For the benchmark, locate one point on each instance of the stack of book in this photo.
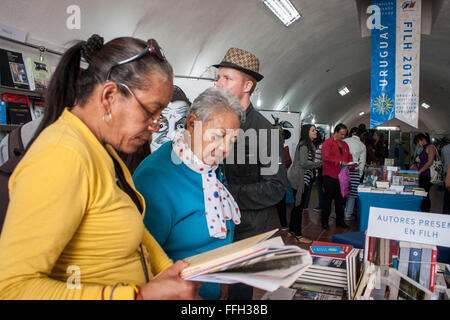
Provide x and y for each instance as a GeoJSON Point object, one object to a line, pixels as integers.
{"type": "Point", "coordinates": [410, 178]}
{"type": "Point", "coordinates": [333, 265]}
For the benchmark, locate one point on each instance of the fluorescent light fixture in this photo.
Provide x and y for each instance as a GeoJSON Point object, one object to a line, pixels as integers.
{"type": "Point", "coordinates": [343, 91]}
{"type": "Point", "coordinates": [284, 10]}
{"type": "Point", "coordinates": [361, 113]}
{"type": "Point", "coordinates": [425, 105]}
{"type": "Point", "coordinates": [313, 121]}
{"type": "Point", "coordinates": [388, 128]}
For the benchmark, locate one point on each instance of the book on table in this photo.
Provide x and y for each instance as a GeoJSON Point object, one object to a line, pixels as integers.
{"type": "Point", "coordinates": [257, 261]}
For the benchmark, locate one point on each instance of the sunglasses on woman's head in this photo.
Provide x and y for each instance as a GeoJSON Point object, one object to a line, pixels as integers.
{"type": "Point", "coordinates": [152, 48]}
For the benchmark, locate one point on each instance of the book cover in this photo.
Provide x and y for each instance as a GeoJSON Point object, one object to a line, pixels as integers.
{"type": "Point", "coordinates": [415, 256]}
{"type": "Point", "coordinates": [40, 74]}
{"type": "Point", "coordinates": [17, 113]}
{"type": "Point", "coordinates": [337, 265]}
{"type": "Point", "coordinates": [425, 267]}
{"type": "Point", "coordinates": [373, 174]}
{"type": "Point", "coordinates": [312, 295]}
{"type": "Point", "coordinates": [403, 260]}
{"type": "Point", "coordinates": [12, 70]}
{"type": "Point", "coordinates": [318, 288]}
{"type": "Point", "coordinates": [329, 249]}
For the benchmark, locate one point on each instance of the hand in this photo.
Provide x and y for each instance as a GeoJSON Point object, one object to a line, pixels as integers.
{"type": "Point", "coordinates": [168, 285]}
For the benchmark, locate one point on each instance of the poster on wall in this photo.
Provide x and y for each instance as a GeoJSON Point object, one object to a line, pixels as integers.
{"type": "Point", "coordinates": [395, 62]}
{"type": "Point", "coordinates": [289, 121]}
{"type": "Point", "coordinates": [184, 93]}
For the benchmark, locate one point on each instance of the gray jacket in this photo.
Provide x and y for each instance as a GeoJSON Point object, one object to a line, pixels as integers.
{"type": "Point", "coordinates": [297, 170]}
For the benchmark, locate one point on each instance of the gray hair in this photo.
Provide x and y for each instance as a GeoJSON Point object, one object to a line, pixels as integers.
{"type": "Point", "coordinates": [214, 100]}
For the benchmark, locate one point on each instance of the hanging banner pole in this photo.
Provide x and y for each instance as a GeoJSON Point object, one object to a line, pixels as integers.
{"type": "Point", "coordinates": [395, 59]}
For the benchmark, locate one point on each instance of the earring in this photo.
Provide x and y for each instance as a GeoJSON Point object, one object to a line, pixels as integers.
{"type": "Point", "coordinates": [107, 117]}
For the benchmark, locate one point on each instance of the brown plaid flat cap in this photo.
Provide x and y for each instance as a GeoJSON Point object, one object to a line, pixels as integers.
{"type": "Point", "coordinates": [243, 61]}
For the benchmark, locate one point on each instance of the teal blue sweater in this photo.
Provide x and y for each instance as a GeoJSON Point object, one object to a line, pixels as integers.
{"type": "Point", "coordinates": [175, 209]}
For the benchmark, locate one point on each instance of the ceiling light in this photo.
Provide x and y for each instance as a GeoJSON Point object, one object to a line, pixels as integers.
{"type": "Point", "coordinates": [284, 10]}
{"type": "Point", "coordinates": [388, 128]}
{"type": "Point", "coordinates": [343, 91]}
{"type": "Point", "coordinates": [425, 105]}
{"type": "Point", "coordinates": [313, 121]}
{"type": "Point", "coordinates": [361, 113]}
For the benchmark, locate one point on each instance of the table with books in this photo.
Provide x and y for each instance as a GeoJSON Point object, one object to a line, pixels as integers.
{"type": "Point", "coordinates": [390, 188]}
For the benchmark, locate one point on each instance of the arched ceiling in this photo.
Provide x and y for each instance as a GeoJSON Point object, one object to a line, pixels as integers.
{"type": "Point", "coordinates": [303, 65]}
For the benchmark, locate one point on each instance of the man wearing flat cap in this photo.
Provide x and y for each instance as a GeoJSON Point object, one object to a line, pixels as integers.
{"type": "Point", "coordinates": [255, 191]}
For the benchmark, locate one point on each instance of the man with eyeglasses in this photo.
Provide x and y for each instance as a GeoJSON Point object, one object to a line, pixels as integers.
{"type": "Point", "coordinates": [252, 186]}
{"type": "Point", "coordinates": [336, 155]}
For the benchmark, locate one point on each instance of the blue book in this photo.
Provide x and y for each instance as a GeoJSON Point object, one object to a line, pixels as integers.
{"type": "Point", "coordinates": [326, 249]}
{"type": "Point", "coordinates": [2, 112]}
{"type": "Point", "coordinates": [415, 258]}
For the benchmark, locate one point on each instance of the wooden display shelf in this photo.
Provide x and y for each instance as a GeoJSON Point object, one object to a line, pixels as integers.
{"type": "Point", "coordinates": [25, 92]}
{"type": "Point", "coordinates": [8, 127]}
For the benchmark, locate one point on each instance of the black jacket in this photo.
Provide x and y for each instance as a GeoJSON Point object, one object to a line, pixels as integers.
{"type": "Point", "coordinates": [254, 190]}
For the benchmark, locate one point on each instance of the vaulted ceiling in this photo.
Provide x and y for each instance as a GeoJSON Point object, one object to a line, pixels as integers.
{"type": "Point", "coordinates": [303, 64]}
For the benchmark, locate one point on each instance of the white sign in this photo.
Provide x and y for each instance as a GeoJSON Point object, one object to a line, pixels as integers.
{"type": "Point", "coordinates": [411, 226]}
{"type": "Point", "coordinates": [407, 71]}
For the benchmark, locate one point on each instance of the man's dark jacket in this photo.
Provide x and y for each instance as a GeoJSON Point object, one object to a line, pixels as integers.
{"type": "Point", "coordinates": [255, 193]}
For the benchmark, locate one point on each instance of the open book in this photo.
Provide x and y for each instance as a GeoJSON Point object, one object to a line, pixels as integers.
{"type": "Point", "coordinates": [257, 261]}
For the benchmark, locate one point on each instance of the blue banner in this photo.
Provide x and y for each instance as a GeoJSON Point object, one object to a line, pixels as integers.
{"type": "Point", "coordinates": [382, 95]}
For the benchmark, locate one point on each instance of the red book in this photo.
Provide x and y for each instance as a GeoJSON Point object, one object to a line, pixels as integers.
{"type": "Point", "coordinates": [433, 269]}
{"type": "Point", "coordinates": [370, 252]}
{"type": "Point", "coordinates": [329, 249]}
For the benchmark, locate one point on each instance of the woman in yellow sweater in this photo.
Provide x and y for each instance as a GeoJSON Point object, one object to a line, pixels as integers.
{"type": "Point", "coordinates": [74, 226]}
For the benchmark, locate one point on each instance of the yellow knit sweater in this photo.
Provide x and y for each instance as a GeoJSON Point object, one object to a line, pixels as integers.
{"type": "Point", "coordinates": [70, 231]}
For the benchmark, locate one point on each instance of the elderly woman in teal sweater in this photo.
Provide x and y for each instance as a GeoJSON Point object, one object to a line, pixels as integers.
{"type": "Point", "coordinates": [189, 211]}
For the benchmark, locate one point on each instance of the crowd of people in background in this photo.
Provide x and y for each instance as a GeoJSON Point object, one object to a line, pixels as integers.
{"type": "Point", "coordinates": [317, 162]}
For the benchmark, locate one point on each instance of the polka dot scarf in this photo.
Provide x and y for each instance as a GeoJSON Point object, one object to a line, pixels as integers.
{"type": "Point", "coordinates": [220, 205]}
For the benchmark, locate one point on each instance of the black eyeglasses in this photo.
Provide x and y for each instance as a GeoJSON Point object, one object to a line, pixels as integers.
{"type": "Point", "coordinates": [155, 122]}
{"type": "Point", "coordinates": [152, 48]}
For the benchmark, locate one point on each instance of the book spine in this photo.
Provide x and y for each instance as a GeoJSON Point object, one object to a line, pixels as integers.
{"type": "Point", "coordinates": [425, 267]}
{"type": "Point", "coordinates": [403, 260]}
{"type": "Point", "coordinates": [433, 269]}
{"type": "Point", "coordinates": [393, 255]}
{"type": "Point", "coordinates": [370, 249]}
{"type": "Point", "coordinates": [415, 256]}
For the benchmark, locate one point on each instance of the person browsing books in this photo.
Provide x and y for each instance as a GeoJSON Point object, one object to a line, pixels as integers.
{"type": "Point", "coordinates": [427, 157]}
{"type": "Point", "coordinates": [189, 210]}
{"type": "Point", "coordinates": [301, 175]}
{"type": "Point", "coordinates": [336, 155]}
{"type": "Point", "coordinates": [74, 227]}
